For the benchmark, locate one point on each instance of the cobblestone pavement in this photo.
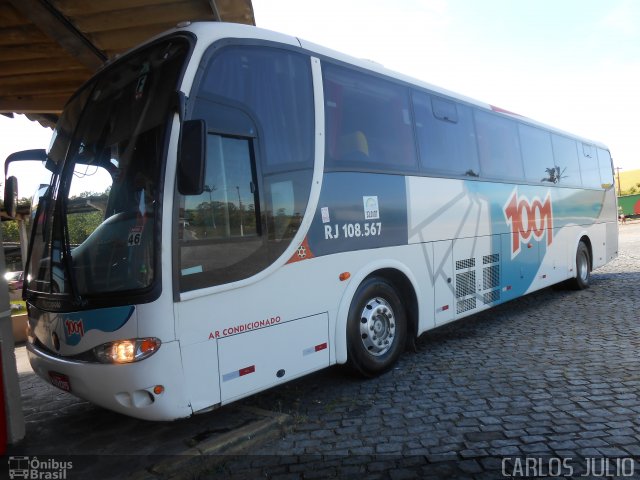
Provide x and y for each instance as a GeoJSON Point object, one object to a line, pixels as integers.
{"type": "Point", "coordinates": [533, 383]}
{"type": "Point", "coordinates": [547, 384]}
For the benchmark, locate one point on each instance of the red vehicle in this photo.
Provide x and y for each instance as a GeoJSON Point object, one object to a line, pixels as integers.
{"type": "Point", "coordinates": [14, 279]}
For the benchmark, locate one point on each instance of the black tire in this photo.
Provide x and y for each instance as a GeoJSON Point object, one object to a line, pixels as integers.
{"type": "Point", "coordinates": [376, 328]}
{"type": "Point", "coordinates": [583, 268]}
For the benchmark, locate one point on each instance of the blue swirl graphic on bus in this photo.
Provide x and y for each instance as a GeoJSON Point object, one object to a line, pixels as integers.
{"type": "Point", "coordinates": [77, 324]}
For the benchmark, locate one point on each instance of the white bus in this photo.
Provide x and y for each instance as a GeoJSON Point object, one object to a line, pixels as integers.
{"type": "Point", "coordinates": [269, 208]}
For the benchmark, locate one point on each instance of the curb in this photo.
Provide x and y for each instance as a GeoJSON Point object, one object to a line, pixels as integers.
{"type": "Point", "coordinates": [212, 451]}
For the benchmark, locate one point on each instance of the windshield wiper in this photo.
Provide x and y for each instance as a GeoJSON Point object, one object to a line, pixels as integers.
{"type": "Point", "coordinates": [67, 260]}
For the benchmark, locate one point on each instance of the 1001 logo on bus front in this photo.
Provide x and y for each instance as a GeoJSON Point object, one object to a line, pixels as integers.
{"type": "Point", "coordinates": [74, 327]}
{"type": "Point", "coordinates": [528, 219]}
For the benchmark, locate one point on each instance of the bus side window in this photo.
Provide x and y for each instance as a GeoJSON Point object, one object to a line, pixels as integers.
{"type": "Point", "coordinates": [353, 146]}
{"type": "Point", "coordinates": [589, 168]}
{"type": "Point", "coordinates": [537, 155]}
{"type": "Point", "coordinates": [565, 153]}
{"type": "Point", "coordinates": [606, 168]}
{"type": "Point", "coordinates": [368, 122]}
{"type": "Point", "coordinates": [446, 137]}
{"type": "Point", "coordinates": [498, 147]}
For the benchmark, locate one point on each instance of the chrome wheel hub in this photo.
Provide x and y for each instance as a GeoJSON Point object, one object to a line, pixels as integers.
{"type": "Point", "coordinates": [377, 326]}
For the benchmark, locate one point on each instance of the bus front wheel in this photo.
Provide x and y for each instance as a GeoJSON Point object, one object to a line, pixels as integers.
{"type": "Point", "coordinates": [583, 268]}
{"type": "Point", "coordinates": [376, 327]}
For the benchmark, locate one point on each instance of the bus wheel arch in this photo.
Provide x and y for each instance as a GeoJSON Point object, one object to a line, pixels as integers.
{"type": "Point", "coordinates": [585, 239]}
{"type": "Point", "coordinates": [385, 290]}
{"type": "Point", "coordinates": [407, 292]}
{"type": "Point", "coordinates": [583, 264]}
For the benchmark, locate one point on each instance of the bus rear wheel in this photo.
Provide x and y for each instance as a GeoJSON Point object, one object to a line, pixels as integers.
{"type": "Point", "coordinates": [583, 268]}
{"type": "Point", "coordinates": [376, 327]}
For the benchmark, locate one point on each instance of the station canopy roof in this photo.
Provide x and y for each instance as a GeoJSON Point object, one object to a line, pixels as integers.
{"type": "Point", "coordinates": [49, 48]}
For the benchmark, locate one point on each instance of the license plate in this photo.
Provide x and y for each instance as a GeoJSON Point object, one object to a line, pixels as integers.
{"type": "Point", "coordinates": [60, 380]}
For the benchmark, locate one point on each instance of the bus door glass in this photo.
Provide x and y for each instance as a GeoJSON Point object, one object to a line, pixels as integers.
{"type": "Point", "coordinates": [257, 102]}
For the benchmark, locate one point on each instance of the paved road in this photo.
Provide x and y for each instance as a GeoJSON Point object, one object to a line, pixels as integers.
{"type": "Point", "coordinates": [552, 379]}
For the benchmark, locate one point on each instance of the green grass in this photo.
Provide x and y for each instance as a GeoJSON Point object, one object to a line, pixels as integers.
{"type": "Point", "coordinates": [19, 308]}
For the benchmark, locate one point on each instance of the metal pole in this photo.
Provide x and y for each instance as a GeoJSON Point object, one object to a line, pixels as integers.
{"type": "Point", "coordinates": [240, 207]}
{"type": "Point", "coordinates": [13, 419]}
{"type": "Point", "coordinates": [210, 190]}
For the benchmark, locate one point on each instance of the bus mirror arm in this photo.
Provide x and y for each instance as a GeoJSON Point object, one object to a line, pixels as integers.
{"type": "Point", "coordinates": [11, 183]}
{"type": "Point", "coordinates": [38, 154]}
{"type": "Point", "coordinates": [192, 152]}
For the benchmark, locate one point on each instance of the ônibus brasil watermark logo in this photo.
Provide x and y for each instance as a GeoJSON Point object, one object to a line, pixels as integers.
{"type": "Point", "coordinates": [38, 469]}
{"type": "Point", "coordinates": [528, 218]}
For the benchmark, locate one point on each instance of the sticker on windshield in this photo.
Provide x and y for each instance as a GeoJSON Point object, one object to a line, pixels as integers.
{"type": "Point", "coordinates": [135, 237]}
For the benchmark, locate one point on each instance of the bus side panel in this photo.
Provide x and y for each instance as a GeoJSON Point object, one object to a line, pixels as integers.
{"type": "Point", "coordinates": [554, 259]}
{"type": "Point", "coordinates": [598, 237]}
{"type": "Point", "coordinates": [612, 240]}
{"type": "Point", "coordinates": [609, 212]}
{"type": "Point", "coordinates": [444, 209]}
{"type": "Point", "coordinates": [200, 365]}
{"type": "Point", "coordinates": [444, 306]}
{"type": "Point", "coordinates": [253, 361]}
{"type": "Point", "coordinates": [477, 273]}
{"type": "Point", "coordinates": [518, 270]}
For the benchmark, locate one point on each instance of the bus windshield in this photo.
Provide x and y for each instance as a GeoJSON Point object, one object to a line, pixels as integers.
{"type": "Point", "coordinates": [93, 231]}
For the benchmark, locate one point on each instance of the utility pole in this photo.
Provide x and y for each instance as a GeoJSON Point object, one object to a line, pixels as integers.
{"type": "Point", "coordinates": [617, 169]}
{"type": "Point", "coordinates": [240, 208]}
{"type": "Point", "coordinates": [210, 190]}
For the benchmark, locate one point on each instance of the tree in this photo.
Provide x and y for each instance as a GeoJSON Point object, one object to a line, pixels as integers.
{"type": "Point", "coordinates": [81, 225]}
{"type": "Point", "coordinates": [10, 231]}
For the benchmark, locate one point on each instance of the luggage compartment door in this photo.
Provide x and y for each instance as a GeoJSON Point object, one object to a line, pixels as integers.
{"type": "Point", "coordinates": [258, 359]}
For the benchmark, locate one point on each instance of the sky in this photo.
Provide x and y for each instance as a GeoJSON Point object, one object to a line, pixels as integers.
{"type": "Point", "coordinates": [17, 134]}
{"type": "Point", "coordinates": [573, 64]}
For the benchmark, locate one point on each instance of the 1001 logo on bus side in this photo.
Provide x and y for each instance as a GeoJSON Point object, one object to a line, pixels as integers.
{"type": "Point", "coordinates": [528, 219]}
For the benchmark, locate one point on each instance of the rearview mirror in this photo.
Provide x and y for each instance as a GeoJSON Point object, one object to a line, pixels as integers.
{"type": "Point", "coordinates": [192, 153]}
{"type": "Point", "coordinates": [11, 196]}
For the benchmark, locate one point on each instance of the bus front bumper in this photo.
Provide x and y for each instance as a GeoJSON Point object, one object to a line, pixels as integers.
{"type": "Point", "coordinates": [151, 389]}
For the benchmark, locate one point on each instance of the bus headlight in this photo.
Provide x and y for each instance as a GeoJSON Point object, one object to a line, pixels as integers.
{"type": "Point", "coordinates": [127, 351]}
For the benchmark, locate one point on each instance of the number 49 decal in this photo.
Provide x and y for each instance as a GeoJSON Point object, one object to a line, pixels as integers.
{"type": "Point", "coordinates": [135, 237]}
